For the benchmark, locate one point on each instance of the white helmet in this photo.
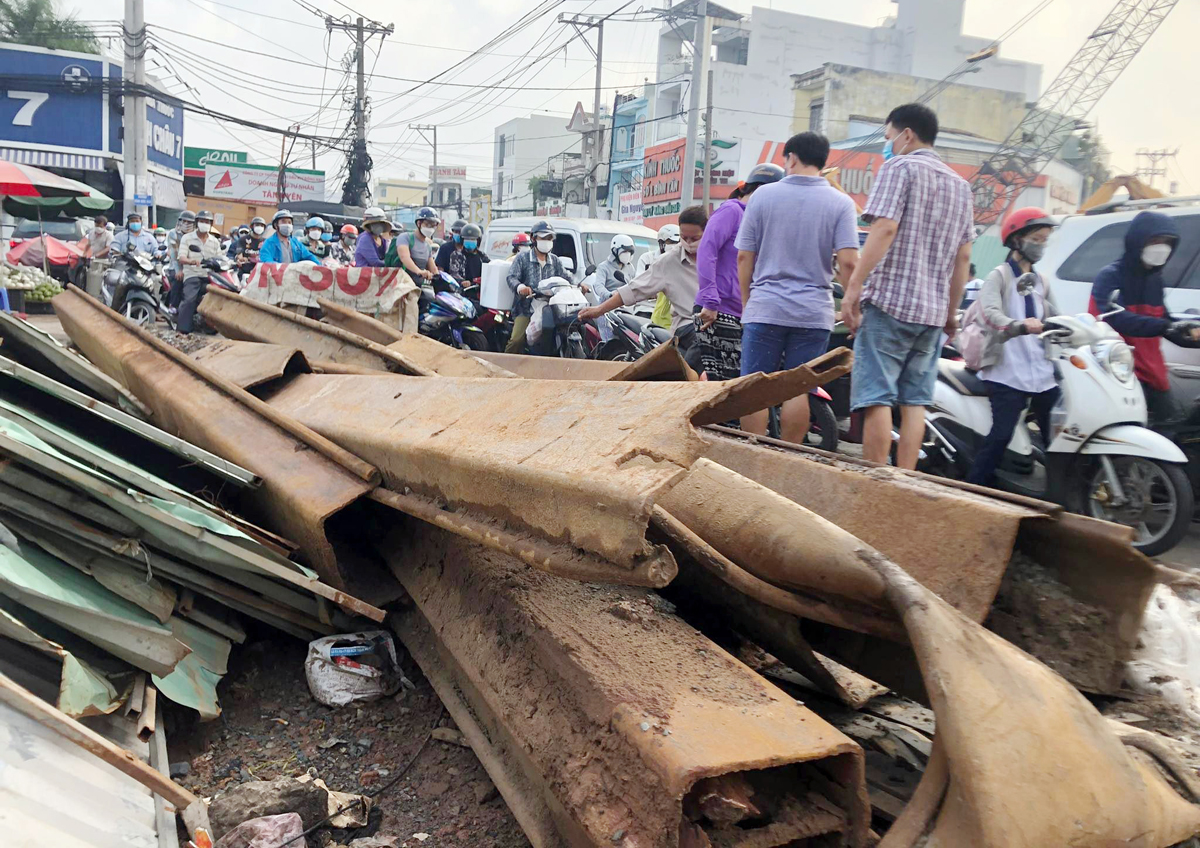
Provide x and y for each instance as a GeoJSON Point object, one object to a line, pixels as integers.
{"type": "Point", "coordinates": [622, 243]}
{"type": "Point", "coordinates": [669, 233]}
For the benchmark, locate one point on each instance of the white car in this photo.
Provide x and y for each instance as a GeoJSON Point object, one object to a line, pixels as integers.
{"type": "Point", "coordinates": [1084, 244]}
{"type": "Point", "coordinates": [581, 243]}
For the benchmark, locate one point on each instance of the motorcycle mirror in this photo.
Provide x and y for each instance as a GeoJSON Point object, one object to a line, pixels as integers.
{"type": "Point", "coordinates": [589, 270]}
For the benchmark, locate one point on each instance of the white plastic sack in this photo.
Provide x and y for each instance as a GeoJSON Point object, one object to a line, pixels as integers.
{"type": "Point", "coordinates": [1167, 661]}
{"type": "Point", "coordinates": [533, 334]}
{"type": "Point", "coordinates": [353, 667]}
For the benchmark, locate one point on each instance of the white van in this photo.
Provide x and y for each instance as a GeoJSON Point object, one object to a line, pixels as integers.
{"type": "Point", "coordinates": [582, 243]}
{"type": "Point", "coordinates": [1084, 244]}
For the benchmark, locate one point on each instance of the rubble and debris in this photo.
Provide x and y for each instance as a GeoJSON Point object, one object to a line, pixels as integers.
{"type": "Point", "coordinates": [259, 798]}
{"type": "Point", "coordinates": [353, 668]}
{"type": "Point", "coordinates": [264, 832]}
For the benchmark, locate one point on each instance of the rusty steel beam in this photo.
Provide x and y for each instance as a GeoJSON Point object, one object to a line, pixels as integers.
{"type": "Point", "coordinates": [248, 364]}
{"type": "Point", "coordinates": [603, 718]}
{"type": "Point", "coordinates": [307, 480]}
{"type": "Point", "coordinates": [580, 468]}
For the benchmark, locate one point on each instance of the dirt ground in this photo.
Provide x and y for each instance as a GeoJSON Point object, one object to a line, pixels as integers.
{"type": "Point", "coordinates": [271, 726]}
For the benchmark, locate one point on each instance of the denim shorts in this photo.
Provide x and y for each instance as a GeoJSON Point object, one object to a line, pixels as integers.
{"type": "Point", "coordinates": [895, 362]}
{"type": "Point", "coordinates": [773, 347]}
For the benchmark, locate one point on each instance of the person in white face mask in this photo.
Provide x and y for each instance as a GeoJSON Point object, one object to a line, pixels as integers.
{"type": "Point", "coordinates": [527, 270]}
{"type": "Point", "coordinates": [1135, 282]}
{"type": "Point", "coordinates": [195, 248]}
{"type": "Point", "coordinates": [417, 254]}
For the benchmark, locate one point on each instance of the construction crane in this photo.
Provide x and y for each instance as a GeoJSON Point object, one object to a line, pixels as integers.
{"type": "Point", "coordinates": [1066, 103]}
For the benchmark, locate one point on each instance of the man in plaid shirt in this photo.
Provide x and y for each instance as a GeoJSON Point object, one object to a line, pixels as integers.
{"type": "Point", "coordinates": [908, 283]}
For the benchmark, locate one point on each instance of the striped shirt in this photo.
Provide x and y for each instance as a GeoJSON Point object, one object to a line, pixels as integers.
{"type": "Point", "coordinates": [932, 206]}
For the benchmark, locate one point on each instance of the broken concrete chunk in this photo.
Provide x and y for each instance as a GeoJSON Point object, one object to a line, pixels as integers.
{"type": "Point", "coordinates": [377, 842]}
{"type": "Point", "coordinates": [485, 791]}
{"type": "Point", "coordinates": [268, 798]}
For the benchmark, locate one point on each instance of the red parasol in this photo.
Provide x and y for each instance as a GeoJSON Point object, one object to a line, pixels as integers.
{"type": "Point", "coordinates": [43, 250]}
{"type": "Point", "coordinates": [17, 180]}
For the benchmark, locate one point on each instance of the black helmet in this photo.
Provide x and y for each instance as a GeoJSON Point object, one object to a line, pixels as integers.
{"type": "Point", "coordinates": [203, 215]}
{"type": "Point", "coordinates": [257, 220]}
{"type": "Point", "coordinates": [540, 227]}
{"type": "Point", "coordinates": [426, 213]}
{"type": "Point", "coordinates": [133, 215]}
{"type": "Point", "coordinates": [457, 226]}
{"type": "Point", "coordinates": [767, 172]}
{"type": "Point", "coordinates": [471, 231]}
{"type": "Point", "coordinates": [187, 215]}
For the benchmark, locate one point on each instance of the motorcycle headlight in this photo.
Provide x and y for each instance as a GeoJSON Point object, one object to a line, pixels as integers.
{"type": "Point", "coordinates": [1117, 357]}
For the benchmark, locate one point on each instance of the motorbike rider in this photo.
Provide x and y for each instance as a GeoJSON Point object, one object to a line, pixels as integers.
{"type": "Point", "coordinates": [282, 245]}
{"type": "Point", "coordinates": [244, 249]}
{"type": "Point", "coordinates": [520, 244]}
{"type": "Point", "coordinates": [473, 258]}
{"type": "Point", "coordinates": [416, 254]}
{"type": "Point", "coordinates": [195, 248]}
{"type": "Point", "coordinates": [327, 235]}
{"type": "Point", "coordinates": [372, 246]}
{"type": "Point", "coordinates": [1135, 282]}
{"type": "Point", "coordinates": [719, 299]}
{"type": "Point", "coordinates": [314, 228]}
{"type": "Point", "coordinates": [1014, 300]}
{"type": "Point", "coordinates": [160, 244]}
{"type": "Point", "coordinates": [529, 269]}
{"type": "Point", "coordinates": [614, 271]}
{"type": "Point", "coordinates": [451, 245]}
{"type": "Point", "coordinates": [184, 224]}
{"type": "Point", "coordinates": [343, 248]}
{"type": "Point", "coordinates": [133, 235]}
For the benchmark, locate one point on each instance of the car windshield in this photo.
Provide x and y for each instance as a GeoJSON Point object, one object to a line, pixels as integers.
{"type": "Point", "coordinates": [63, 230]}
{"type": "Point", "coordinates": [598, 247]}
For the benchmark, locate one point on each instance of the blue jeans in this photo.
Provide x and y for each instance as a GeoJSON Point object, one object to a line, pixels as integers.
{"type": "Point", "coordinates": [895, 362]}
{"type": "Point", "coordinates": [772, 347]}
{"type": "Point", "coordinates": [1008, 404]}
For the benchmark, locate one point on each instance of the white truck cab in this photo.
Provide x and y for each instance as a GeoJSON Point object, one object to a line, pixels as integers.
{"type": "Point", "coordinates": [582, 243]}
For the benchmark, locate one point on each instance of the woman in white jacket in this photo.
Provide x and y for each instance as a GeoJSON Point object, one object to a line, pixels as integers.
{"type": "Point", "coordinates": [1015, 300]}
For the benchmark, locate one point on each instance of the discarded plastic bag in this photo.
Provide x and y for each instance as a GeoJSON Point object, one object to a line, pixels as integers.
{"type": "Point", "coordinates": [1167, 661]}
{"type": "Point", "coordinates": [265, 832]}
{"type": "Point", "coordinates": [353, 667]}
{"type": "Point", "coordinates": [533, 333]}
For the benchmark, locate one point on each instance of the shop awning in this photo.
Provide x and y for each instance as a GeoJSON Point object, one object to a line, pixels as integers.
{"type": "Point", "coordinates": [50, 159]}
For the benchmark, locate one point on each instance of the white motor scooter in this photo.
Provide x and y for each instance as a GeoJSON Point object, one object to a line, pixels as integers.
{"type": "Point", "coordinates": [564, 299]}
{"type": "Point", "coordinates": [1101, 461]}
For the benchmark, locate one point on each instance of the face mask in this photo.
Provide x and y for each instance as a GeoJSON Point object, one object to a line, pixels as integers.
{"type": "Point", "coordinates": [524, 248]}
{"type": "Point", "coordinates": [690, 247]}
{"type": "Point", "coordinates": [470, 245]}
{"type": "Point", "coordinates": [458, 239]}
{"type": "Point", "coordinates": [204, 228]}
{"type": "Point", "coordinates": [99, 230]}
{"type": "Point", "coordinates": [889, 149]}
{"type": "Point", "coordinates": [135, 227]}
{"type": "Point", "coordinates": [1156, 255]}
{"type": "Point", "coordinates": [428, 231]}
{"type": "Point", "coordinates": [376, 229]}
{"type": "Point", "coordinates": [1033, 250]}
{"type": "Point", "coordinates": [314, 234]}
{"type": "Point", "coordinates": [625, 256]}
{"type": "Point", "coordinates": [545, 245]}
{"type": "Point", "coordinates": [258, 230]}
{"type": "Point", "coordinates": [347, 240]}
{"type": "Point", "coordinates": [161, 239]}
{"type": "Point", "coordinates": [285, 230]}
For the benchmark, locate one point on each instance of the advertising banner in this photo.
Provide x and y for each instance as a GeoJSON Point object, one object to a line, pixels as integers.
{"type": "Point", "coordinates": [164, 134]}
{"type": "Point", "coordinates": [260, 183]}
{"type": "Point", "coordinates": [630, 207]}
{"type": "Point", "coordinates": [385, 293]}
{"type": "Point", "coordinates": [196, 158]}
{"type": "Point", "coordinates": [452, 172]}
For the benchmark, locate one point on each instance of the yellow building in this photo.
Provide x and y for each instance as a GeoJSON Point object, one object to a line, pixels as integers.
{"type": "Point", "coordinates": [842, 101]}
{"type": "Point", "coordinates": [410, 192]}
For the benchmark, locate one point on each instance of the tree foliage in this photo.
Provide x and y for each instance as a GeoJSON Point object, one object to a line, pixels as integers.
{"type": "Point", "coordinates": [41, 24]}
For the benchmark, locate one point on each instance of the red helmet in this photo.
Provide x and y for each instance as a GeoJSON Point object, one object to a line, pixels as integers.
{"type": "Point", "coordinates": [520, 239]}
{"type": "Point", "coordinates": [1020, 220]}
{"type": "Point", "coordinates": [349, 230]}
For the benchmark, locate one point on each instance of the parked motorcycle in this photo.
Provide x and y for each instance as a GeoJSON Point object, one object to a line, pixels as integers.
{"type": "Point", "coordinates": [495, 325]}
{"type": "Point", "coordinates": [129, 287]}
{"type": "Point", "coordinates": [448, 316]}
{"type": "Point", "coordinates": [1101, 461]}
{"type": "Point", "coordinates": [626, 345]}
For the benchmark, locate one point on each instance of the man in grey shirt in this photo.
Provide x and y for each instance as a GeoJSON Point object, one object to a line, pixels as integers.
{"type": "Point", "coordinates": [788, 237]}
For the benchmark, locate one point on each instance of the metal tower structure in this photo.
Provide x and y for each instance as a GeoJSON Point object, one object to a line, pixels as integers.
{"type": "Point", "coordinates": [1065, 104]}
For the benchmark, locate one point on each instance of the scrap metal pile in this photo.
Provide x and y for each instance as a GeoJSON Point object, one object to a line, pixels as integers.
{"type": "Point", "coordinates": [615, 598]}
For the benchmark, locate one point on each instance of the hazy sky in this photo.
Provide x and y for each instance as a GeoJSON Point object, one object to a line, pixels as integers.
{"type": "Point", "coordinates": [1152, 105]}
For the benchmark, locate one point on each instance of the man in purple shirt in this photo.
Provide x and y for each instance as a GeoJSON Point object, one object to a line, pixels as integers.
{"type": "Point", "coordinates": [786, 244]}
{"type": "Point", "coordinates": [719, 300]}
{"type": "Point", "coordinates": [909, 284]}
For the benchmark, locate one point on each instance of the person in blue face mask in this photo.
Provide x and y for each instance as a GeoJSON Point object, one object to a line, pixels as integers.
{"type": "Point", "coordinates": [450, 247]}
{"type": "Point", "coordinates": [134, 234]}
{"type": "Point", "coordinates": [466, 260]}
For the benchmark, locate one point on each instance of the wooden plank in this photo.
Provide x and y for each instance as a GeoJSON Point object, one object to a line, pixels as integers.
{"type": "Point", "coordinates": [163, 818]}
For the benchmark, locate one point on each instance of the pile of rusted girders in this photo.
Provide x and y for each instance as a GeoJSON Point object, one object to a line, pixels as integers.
{"type": "Point", "coordinates": [546, 530]}
{"type": "Point", "coordinates": [121, 576]}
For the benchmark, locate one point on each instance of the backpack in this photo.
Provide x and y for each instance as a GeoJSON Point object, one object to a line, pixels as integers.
{"type": "Point", "coordinates": [971, 338]}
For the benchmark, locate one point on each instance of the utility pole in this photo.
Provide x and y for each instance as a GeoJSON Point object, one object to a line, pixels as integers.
{"type": "Point", "coordinates": [701, 41]}
{"type": "Point", "coordinates": [285, 153]}
{"type": "Point", "coordinates": [708, 145]}
{"type": "Point", "coordinates": [1152, 171]}
{"type": "Point", "coordinates": [357, 186]}
{"type": "Point", "coordinates": [593, 171]}
{"type": "Point", "coordinates": [433, 173]}
{"type": "Point", "coordinates": [137, 178]}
